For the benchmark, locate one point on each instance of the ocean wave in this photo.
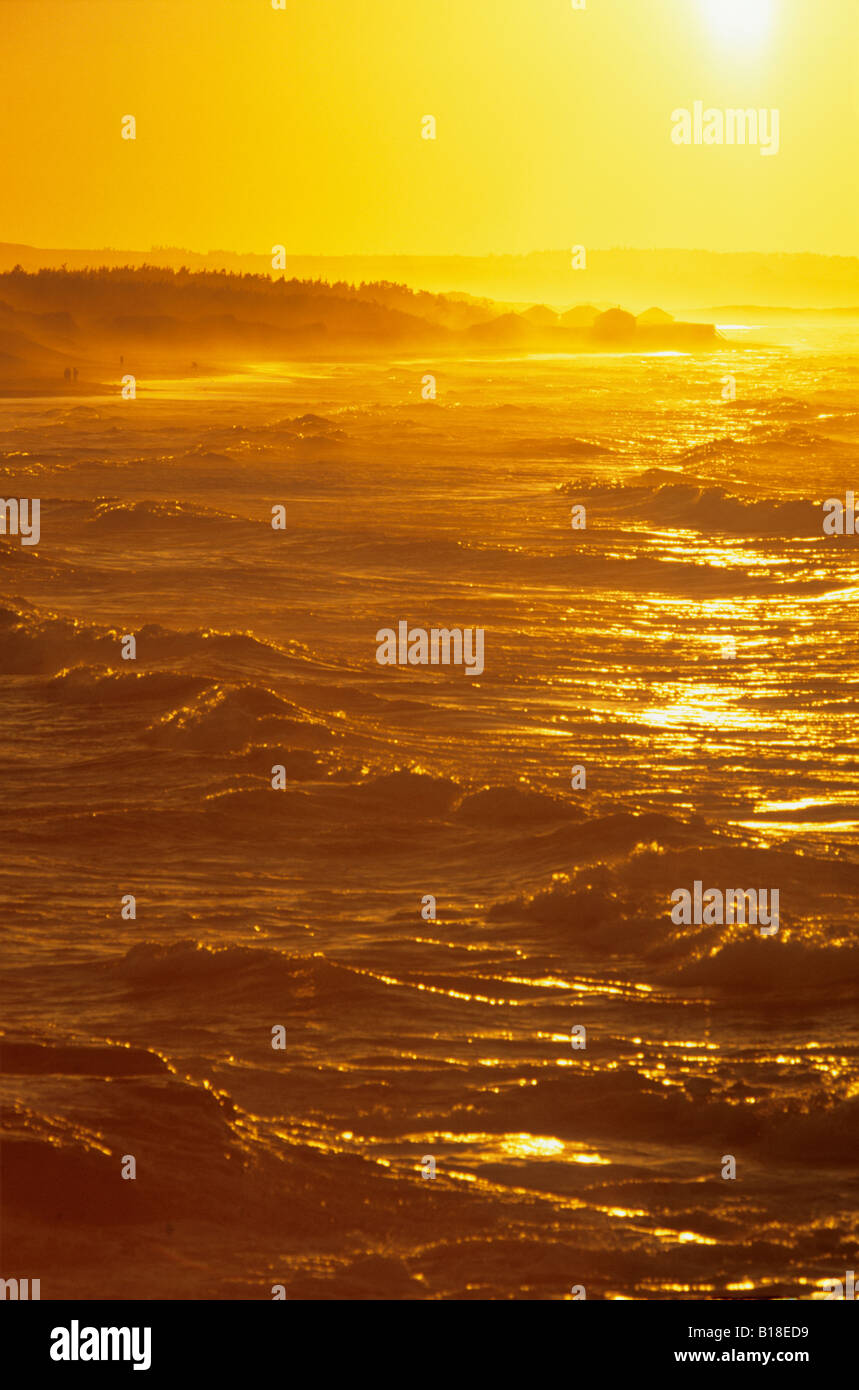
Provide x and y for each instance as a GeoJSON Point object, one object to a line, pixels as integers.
{"type": "Point", "coordinates": [98, 685]}
{"type": "Point", "coordinates": [778, 407]}
{"type": "Point", "coordinates": [271, 979]}
{"type": "Point", "coordinates": [514, 806]}
{"type": "Point", "coordinates": [22, 1058]}
{"type": "Point", "coordinates": [147, 518]}
{"type": "Point", "coordinates": [793, 437]}
{"type": "Point", "coordinates": [220, 717]}
{"type": "Point", "coordinates": [759, 967]}
{"type": "Point", "coordinates": [626, 1105]}
{"type": "Point", "coordinates": [767, 436]}
{"type": "Point", "coordinates": [680, 501]}
{"type": "Point", "coordinates": [556, 447]}
{"type": "Point", "coordinates": [614, 899]}
{"type": "Point", "coordinates": [404, 793]}
{"type": "Point", "coordinates": [34, 642]}
{"type": "Point", "coordinates": [305, 424]}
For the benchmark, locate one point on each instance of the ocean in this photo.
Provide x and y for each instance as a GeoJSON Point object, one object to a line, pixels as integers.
{"type": "Point", "coordinates": [691, 649]}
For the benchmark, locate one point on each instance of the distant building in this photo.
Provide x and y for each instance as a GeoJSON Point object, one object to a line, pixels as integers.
{"type": "Point", "coordinates": [582, 316]}
{"type": "Point", "coordinates": [614, 326]}
{"type": "Point", "coordinates": [542, 316]}
{"type": "Point", "coordinates": [654, 316]}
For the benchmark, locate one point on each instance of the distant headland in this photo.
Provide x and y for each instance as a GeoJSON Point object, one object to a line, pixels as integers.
{"type": "Point", "coordinates": [68, 330]}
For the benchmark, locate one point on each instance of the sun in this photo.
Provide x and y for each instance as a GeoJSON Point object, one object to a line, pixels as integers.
{"type": "Point", "coordinates": [741, 21]}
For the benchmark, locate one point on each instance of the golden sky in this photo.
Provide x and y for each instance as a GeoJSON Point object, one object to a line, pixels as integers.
{"type": "Point", "coordinates": [258, 126]}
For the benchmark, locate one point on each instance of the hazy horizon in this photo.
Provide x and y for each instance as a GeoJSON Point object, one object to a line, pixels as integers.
{"type": "Point", "coordinates": [676, 278]}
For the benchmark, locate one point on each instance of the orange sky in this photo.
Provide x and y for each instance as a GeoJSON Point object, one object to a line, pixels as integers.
{"type": "Point", "coordinates": [256, 126]}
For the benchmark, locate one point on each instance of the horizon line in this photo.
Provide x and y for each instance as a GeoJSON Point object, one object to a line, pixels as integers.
{"type": "Point", "coordinates": [427, 255]}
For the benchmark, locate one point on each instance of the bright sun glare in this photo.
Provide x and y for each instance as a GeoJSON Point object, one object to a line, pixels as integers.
{"type": "Point", "coordinates": [740, 20]}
